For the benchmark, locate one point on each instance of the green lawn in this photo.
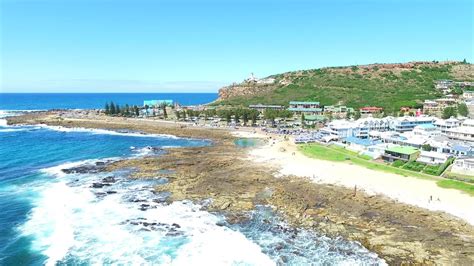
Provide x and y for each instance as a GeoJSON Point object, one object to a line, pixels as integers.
{"type": "Point", "coordinates": [460, 177]}
{"type": "Point", "coordinates": [454, 184]}
{"type": "Point", "coordinates": [339, 154]}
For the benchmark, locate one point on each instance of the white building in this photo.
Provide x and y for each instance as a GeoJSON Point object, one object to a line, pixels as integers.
{"type": "Point", "coordinates": [468, 94]}
{"type": "Point", "coordinates": [465, 132]}
{"type": "Point", "coordinates": [359, 128]}
{"type": "Point", "coordinates": [433, 158]}
{"type": "Point", "coordinates": [408, 123]}
{"type": "Point", "coordinates": [444, 124]}
{"type": "Point", "coordinates": [427, 130]}
{"type": "Point", "coordinates": [464, 166]}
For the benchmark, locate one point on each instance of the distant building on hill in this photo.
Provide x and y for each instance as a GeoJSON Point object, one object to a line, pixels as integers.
{"type": "Point", "coordinates": [370, 110]}
{"type": "Point", "coordinates": [263, 107]}
{"type": "Point", "coordinates": [300, 107]}
{"type": "Point", "coordinates": [337, 111]}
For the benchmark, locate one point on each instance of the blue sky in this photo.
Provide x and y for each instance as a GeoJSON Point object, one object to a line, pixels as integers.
{"type": "Point", "coordinates": [183, 46]}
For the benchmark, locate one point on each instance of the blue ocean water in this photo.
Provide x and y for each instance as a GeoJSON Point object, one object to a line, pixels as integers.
{"type": "Point", "coordinates": [50, 216]}
{"type": "Point", "coordinates": [46, 101]}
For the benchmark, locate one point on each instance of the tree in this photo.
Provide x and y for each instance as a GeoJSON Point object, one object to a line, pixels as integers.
{"type": "Point", "coordinates": [237, 116]}
{"type": "Point", "coordinates": [302, 120]}
{"type": "Point", "coordinates": [449, 112]}
{"type": "Point", "coordinates": [137, 111]}
{"type": "Point", "coordinates": [462, 109]}
{"type": "Point", "coordinates": [254, 116]}
{"type": "Point", "coordinates": [184, 115]}
{"type": "Point", "coordinates": [146, 109]}
{"type": "Point", "coordinates": [107, 108]}
{"type": "Point", "coordinates": [245, 116]}
{"type": "Point", "coordinates": [457, 91]}
{"type": "Point", "coordinates": [178, 115]}
{"type": "Point", "coordinates": [117, 109]}
{"type": "Point", "coordinates": [127, 110]}
{"type": "Point", "coordinates": [357, 115]}
{"type": "Point", "coordinates": [348, 115]}
{"type": "Point", "coordinates": [112, 108]}
{"type": "Point", "coordinates": [165, 114]}
{"type": "Point", "coordinates": [426, 147]}
{"type": "Point", "coordinates": [464, 61]}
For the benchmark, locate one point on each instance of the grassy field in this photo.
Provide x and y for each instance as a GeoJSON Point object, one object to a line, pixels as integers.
{"type": "Point", "coordinates": [355, 87]}
{"type": "Point", "coordinates": [336, 153]}
{"type": "Point", "coordinates": [460, 177]}
{"type": "Point", "coordinates": [339, 154]}
{"type": "Point", "coordinates": [459, 185]}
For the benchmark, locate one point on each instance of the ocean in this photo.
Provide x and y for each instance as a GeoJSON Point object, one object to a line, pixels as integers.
{"type": "Point", "coordinates": [60, 206]}
{"type": "Point", "coordinates": [46, 101]}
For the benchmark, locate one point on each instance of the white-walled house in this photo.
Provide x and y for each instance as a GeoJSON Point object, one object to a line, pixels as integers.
{"type": "Point", "coordinates": [433, 158]}
{"type": "Point", "coordinates": [464, 166]}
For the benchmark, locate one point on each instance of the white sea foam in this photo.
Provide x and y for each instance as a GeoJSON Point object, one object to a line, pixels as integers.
{"type": "Point", "coordinates": [70, 223]}
{"type": "Point", "coordinates": [107, 132]}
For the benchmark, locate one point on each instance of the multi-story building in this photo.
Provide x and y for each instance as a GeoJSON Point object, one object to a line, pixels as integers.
{"type": "Point", "coordinates": [337, 111]}
{"type": "Point", "coordinates": [465, 132]}
{"type": "Point", "coordinates": [370, 110]}
{"type": "Point", "coordinates": [311, 108]}
{"type": "Point", "coordinates": [263, 107]}
{"type": "Point", "coordinates": [436, 107]}
{"type": "Point", "coordinates": [408, 123]}
{"type": "Point", "coordinates": [359, 128]}
{"type": "Point", "coordinates": [443, 124]}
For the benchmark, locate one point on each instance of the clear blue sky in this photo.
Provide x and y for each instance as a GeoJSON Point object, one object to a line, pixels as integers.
{"type": "Point", "coordinates": [163, 46]}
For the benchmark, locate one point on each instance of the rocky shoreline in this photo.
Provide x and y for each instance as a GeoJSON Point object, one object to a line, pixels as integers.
{"type": "Point", "coordinates": [398, 233]}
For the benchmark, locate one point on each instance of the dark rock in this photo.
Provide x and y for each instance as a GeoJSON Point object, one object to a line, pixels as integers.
{"type": "Point", "coordinates": [176, 225]}
{"type": "Point", "coordinates": [109, 179]}
{"type": "Point", "coordinates": [97, 185]}
{"type": "Point", "coordinates": [111, 192]}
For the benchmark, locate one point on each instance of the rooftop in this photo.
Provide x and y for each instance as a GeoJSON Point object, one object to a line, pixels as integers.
{"type": "Point", "coordinates": [305, 109]}
{"type": "Point", "coordinates": [402, 150]}
{"type": "Point", "coordinates": [359, 141]}
{"type": "Point", "coordinates": [298, 102]}
{"type": "Point", "coordinates": [315, 117]}
{"type": "Point", "coordinates": [433, 154]}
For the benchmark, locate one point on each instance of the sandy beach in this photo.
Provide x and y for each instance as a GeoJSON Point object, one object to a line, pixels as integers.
{"type": "Point", "coordinates": [410, 190]}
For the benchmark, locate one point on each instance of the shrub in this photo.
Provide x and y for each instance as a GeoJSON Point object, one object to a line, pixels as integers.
{"type": "Point", "coordinates": [398, 163]}
{"type": "Point", "coordinates": [414, 166]}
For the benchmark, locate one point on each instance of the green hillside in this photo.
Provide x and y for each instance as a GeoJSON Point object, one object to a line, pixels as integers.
{"type": "Point", "coordinates": [387, 85]}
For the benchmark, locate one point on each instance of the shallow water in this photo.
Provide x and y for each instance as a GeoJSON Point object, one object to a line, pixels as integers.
{"type": "Point", "coordinates": [248, 142]}
{"type": "Point", "coordinates": [50, 216]}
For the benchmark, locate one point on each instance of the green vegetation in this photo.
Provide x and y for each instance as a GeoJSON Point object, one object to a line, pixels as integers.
{"type": "Point", "coordinates": [463, 110]}
{"type": "Point", "coordinates": [435, 170]}
{"type": "Point", "coordinates": [116, 110]}
{"type": "Point", "coordinates": [449, 112]}
{"type": "Point", "coordinates": [355, 87]}
{"type": "Point", "coordinates": [339, 154]}
{"type": "Point", "coordinates": [459, 185]}
{"type": "Point", "coordinates": [459, 177]}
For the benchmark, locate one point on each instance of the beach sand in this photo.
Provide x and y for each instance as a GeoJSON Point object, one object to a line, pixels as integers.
{"type": "Point", "coordinates": [410, 190]}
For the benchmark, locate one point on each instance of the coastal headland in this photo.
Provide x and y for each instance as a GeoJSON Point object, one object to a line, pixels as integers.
{"type": "Point", "coordinates": [236, 182]}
